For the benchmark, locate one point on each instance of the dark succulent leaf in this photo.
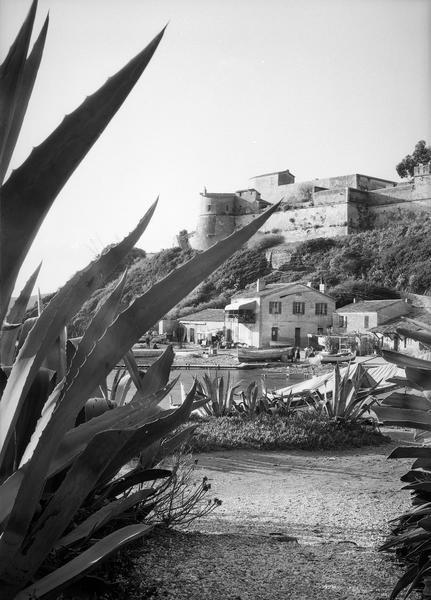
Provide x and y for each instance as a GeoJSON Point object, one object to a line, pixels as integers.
{"type": "Point", "coordinates": [408, 401]}
{"type": "Point", "coordinates": [16, 315]}
{"type": "Point", "coordinates": [11, 79]}
{"type": "Point", "coordinates": [25, 88]}
{"type": "Point", "coordinates": [421, 335]}
{"type": "Point", "coordinates": [135, 477]}
{"type": "Point", "coordinates": [86, 560]}
{"type": "Point", "coordinates": [404, 581]}
{"type": "Point", "coordinates": [32, 188]}
{"type": "Point", "coordinates": [405, 360]}
{"type": "Point", "coordinates": [416, 475]}
{"type": "Point", "coordinates": [419, 377]}
{"type": "Point", "coordinates": [403, 417]}
{"type": "Point", "coordinates": [102, 516]}
{"type": "Point", "coordinates": [411, 452]}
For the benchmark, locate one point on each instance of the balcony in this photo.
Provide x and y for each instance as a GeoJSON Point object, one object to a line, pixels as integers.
{"type": "Point", "coordinates": [241, 316]}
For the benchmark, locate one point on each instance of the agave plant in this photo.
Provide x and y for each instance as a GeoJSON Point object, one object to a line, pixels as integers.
{"type": "Point", "coordinates": [60, 484]}
{"type": "Point", "coordinates": [348, 399]}
{"type": "Point", "coordinates": [219, 395]}
{"type": "Point", "coordinates": [409, 405]}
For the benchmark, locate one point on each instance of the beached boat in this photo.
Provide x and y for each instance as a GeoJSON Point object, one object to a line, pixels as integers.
{"type": "Point", "coordinates": [140, 352]}
{"type": "Point", "coordinates": [265, 354]}
{"type": "Point", "coordinates": [346, 356]}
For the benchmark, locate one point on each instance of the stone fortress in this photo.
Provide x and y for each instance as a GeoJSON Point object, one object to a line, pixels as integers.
{"type": "Point", "coordinates": [329, 207]}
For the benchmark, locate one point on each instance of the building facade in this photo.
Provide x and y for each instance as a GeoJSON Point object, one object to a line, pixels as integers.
{"type": "Point", "coordinates": [360, 317]}
{"type": "Point", "coordinates": [203, 325]}
{"type": "Point", "coordinates": [279, 313]}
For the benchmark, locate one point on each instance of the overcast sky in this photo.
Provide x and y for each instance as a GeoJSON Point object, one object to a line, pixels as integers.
{"type": "Point", "coordinates": [237, 88]}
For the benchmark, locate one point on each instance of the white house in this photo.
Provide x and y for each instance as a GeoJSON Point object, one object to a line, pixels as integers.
{"type": "Point", "coordinates": [278, 313]}
{"type": "Point", "coordinates": [203, 324]}
{"type": "Point", "coordinates": [360, 317]}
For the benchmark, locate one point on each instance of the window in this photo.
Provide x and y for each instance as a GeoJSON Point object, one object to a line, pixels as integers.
{"type": "Point", "coordinates": [298, 308]}
{"type": "Point", "coordinates": [342, 321]}
{"type": "Point", "coordinates": [321, 308]}
{"type": "Point", "coordinates": [275, 308]}
{"type": "Point", "coordinates": [366, 321]}
{"type": "Point", "coordinates": [320, 331]}
{"type": "Point", "coordinates": [209, 207]}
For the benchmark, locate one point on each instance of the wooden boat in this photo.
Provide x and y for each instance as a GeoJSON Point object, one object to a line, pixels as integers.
{"type": "Point", "coordinates": [246, 355]}
{"type": "Point", "coordinates": [140, 352]}
{"type": "Point", "coordinates": [346, 356]}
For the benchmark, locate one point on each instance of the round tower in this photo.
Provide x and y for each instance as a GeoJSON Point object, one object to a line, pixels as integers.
{"type": "Point", "coordinates": [216, 219]}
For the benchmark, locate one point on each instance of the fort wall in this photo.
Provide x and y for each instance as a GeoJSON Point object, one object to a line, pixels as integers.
{"type": "Point", "coordinates": [329, 207]}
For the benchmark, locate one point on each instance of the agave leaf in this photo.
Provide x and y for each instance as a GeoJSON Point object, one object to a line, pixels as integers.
{"type": "Point", "coordinates": [422, 335]}
{"type": "Point", "coordinates": [84, 561]}
{"type": "Point", "coordinates": [404, 360]}
{"type": "Point", "coordinates": [76, 439]}
{"type": "Point", "coordinates": [143, 437]}
{"type": "Point", "coordinates": [133, 369]}
{"type": "Point", "coordinates": [135, 477]}
{"type": "Point", "coordinates": [11, 80]}
{"type": "Point", "coordinates": [105, 514]}
{"type": "Point", "coordinates": [403, 417]}
{"type": "Point", "coordinates": [49, 325]}
{"type": "Point", "coordinates": [29, 72]}
{"type": "Point", "coordinates": [75, 487]}
{"type": "Point", "coordinates": [411, 452]}
{"type": "Point", "coordinates": [413, 401]}
{"type": "Point", "coordinates": [106, 314]}
{"type": "Point", "coordinates": [32, 188]}
{"type": "Point", "coordinates": [157, 375]}
{"type": "Point", "coordinates": [404, 581]}
{"type": "Point", "coordinates": [106, 453]}
{"type": "Point", "coordinates": [178, 440]}
{"type": "Point", "coordinates": [419, 377]}
{"type": "Point", "coordinates": [16, 315]}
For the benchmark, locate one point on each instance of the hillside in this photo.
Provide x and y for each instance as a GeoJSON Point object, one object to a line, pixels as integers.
{"type": "Point", "coordinates": [373, 264]}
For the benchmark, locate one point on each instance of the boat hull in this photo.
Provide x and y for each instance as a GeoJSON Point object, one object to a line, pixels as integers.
{"type": "Point", "coordinates": [337, 358]}
{"type": "Point", "coordinates": [246, 355]}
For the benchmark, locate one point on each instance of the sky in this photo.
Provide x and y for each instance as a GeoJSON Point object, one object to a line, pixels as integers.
{"type": "Point", "coordinates": [236, 88]}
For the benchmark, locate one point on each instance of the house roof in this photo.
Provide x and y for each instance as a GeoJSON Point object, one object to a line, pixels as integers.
{"type": "Point", "coordinates": [208, 314]}
{"type": "Point", "coordinates": [416, 320]}
{"type": "Point", "coordinates": [272, 288]}
{"type": "Point", "coordinates": [367, 306]}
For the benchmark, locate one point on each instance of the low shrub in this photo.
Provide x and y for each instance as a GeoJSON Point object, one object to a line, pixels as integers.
{"type": "Point", "coordinates": [301, 431]}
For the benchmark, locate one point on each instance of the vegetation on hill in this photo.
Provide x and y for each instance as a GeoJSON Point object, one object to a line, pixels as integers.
{"type": "Point", "coordinates": [366, 266]}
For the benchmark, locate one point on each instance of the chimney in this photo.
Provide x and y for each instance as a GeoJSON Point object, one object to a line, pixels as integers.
{"type": "Point", "coordinates": [260, 285]}
{"type": "Point", "coordinates": [322, 287]}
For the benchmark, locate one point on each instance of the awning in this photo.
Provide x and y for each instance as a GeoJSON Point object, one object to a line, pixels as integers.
{"type": "Point", "coordinates": [241, 305]}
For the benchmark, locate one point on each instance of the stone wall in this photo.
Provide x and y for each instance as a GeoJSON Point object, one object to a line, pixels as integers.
{"type": "Point", "coordinates": [304, 223]}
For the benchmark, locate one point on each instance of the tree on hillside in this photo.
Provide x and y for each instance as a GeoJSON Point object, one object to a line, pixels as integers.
{"type": "Point", "coordinates": [421, 154]}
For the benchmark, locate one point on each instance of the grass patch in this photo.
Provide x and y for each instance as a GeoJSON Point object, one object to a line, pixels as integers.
{"type": "Point", "coordinates": [300, 431]}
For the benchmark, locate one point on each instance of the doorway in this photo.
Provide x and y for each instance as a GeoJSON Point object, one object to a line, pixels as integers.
{"type": "Point", "coordinates": [274, 334]}
{"type": "Point", "coordinates": [297, 337]}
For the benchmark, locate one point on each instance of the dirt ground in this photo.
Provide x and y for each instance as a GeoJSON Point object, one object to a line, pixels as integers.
{"type": "Point", "coordinates": [336, 504]}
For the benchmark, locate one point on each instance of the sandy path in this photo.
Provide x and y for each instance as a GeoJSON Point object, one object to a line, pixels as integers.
{"type": "Point", "coordinates": [337, 505]}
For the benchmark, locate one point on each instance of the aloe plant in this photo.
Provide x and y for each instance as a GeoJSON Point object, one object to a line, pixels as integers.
{"type": "Point", "coordinates": [55, 477]}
